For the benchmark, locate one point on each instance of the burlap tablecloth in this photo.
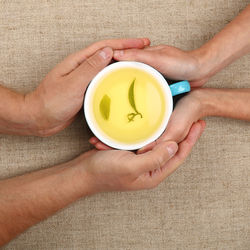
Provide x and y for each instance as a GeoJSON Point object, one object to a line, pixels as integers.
{"type": "Point", "coordinates": [205, 204]}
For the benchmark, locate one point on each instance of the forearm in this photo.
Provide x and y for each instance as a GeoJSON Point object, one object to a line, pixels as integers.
{"type": "Point", "coordinates": [28, 199]}
{"type": "Point", "coordinates": [227, 46]}
{"type": "Point", "coordinates": [14, 114]}
{"type": "Point", "coordinates": [232, 103]}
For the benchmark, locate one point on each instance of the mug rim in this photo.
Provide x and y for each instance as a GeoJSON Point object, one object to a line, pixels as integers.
{"type": "Point", "coordinates": [90, 118]}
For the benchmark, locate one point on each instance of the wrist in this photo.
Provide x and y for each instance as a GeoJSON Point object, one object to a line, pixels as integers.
{"type": "Point", "coordinates": [81, 164]}
{"type": "Point", "coordinates": [15, 114]}
{"type": "Point", "coordinates": [205, 61]}
{"type": "Point", "coordinates": [37, 116]}
{"type": "Point", "coordinates": [205, 100]}
{"type": "Point", "coordinates": [31, 113]}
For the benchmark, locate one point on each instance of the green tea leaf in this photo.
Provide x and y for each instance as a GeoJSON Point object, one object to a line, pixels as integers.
{"type": "Point", "coordinates": [131, 98]}
{"type": "Point", "coordinates": [131, 95]}
{"type": "Point", "coordinates": [105, 107]}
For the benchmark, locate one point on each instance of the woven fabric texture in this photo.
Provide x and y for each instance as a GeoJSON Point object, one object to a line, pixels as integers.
{"type": "Point", "coordinates": [204, 204]}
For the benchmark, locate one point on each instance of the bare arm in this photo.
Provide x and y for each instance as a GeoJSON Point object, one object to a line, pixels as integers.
{"type": "Point", "coordinates": [232, 103]}
{"type": "Point", "coordinates": [200, 64]}
{"type": "Point", "coordinates": [14, 116]}
{"type": "Point", "coordinates": [227, 46]}
{"type": "Point", "coordinates": [28, 199]}
{"type": "Point", "coordinates": [53, 105]}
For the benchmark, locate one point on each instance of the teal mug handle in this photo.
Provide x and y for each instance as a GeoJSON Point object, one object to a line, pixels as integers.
{"type": "Point", "coordinates": [179, 88]}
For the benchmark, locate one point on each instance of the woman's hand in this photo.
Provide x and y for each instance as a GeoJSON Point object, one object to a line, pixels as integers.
{"type": "Point", "coordinates": [170, 61]}
{"type": "Point", "coordinates": [187, 111]}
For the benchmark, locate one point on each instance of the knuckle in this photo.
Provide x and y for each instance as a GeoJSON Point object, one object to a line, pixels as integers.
{"type": "Point", "coordinates": [92, 62]}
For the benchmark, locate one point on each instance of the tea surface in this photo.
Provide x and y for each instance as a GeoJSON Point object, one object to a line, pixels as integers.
{"type": "Point", "coordinates": [129, 105]}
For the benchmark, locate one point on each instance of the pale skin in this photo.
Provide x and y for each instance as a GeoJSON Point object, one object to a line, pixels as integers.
{"type": "Point", "coordinates": [198, 66]}
{"type": "Point", "coordinates": [30, 198]}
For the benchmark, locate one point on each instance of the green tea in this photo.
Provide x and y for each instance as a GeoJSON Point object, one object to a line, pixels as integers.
{"type": "Point", "coordinates": [129, 105]}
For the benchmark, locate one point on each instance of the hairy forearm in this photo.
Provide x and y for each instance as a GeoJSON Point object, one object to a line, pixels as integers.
{"type": "Point", "coordinates": [227, 46]}
{"type": "Point", "coordinates": [232, 103]}
{"type": "Point", "coordinates": [28, 199]}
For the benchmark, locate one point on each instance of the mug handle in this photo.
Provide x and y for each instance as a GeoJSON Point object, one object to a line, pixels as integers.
{"type": "Point", "coordinates": [179, 88]}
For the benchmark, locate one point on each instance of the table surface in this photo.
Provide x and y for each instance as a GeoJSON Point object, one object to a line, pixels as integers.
{"type": "Point", "coordinates": [203, 205]}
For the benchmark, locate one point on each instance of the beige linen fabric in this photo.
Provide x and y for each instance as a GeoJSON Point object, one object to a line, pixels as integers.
{"type": "Point", "coordinates": [203, 205]}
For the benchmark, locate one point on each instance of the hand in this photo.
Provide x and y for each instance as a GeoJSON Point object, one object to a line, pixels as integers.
{"type": "Point", "coordinates": [170, 61]}
{"type": "Point", "coordinates": [57, 100]}
{"type": "Point", "coordinates": [114, 170]}
{"type": "Point", "coordinates": [32, 197]}
{"type": "Point", "coordinates": [187, 111]}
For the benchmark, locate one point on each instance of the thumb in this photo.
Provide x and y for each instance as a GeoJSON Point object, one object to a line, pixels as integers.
{"type": "Point", "coordinates": [156, 158]}
{"type": "Point", "coordinates": [86, 71]}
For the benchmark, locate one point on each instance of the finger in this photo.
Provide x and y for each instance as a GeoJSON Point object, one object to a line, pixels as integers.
{"type": "Point", "coordinates": [185, 148]}
{"type": "Point", "coordinates": [181, 120]}
{"type": "Point", "coordinates": [102, 146]}
{"type": "Point", "coordinates": [185, 114]}
{"type": "Point", "coordinates": [154, 177]}
{"type": "Point", "coordinates": [177, 128]}
{"type": "Point", "coordinates": [83, 74]}
{"type": "Point", "coordinates": [93, 140]}
{"type": "Point", "coordinates": [155, 158]}
{"type": "Point", "coordinates": [145, 56]}
{"type": "Point", "coordinates": [74, 60]}
{"type": "Point", "coordinates": [98, 144]}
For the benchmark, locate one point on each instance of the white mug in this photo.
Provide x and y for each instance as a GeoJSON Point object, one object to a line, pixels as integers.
{"type": "Point", "coordinates": [168, 92]}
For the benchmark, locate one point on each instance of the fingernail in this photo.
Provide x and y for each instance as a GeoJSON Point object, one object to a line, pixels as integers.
{"type": "Point", "coordinates": [172, 149]}
{"type": "Point", "coordinates": [118, 53]}
{"type": "Point", "coordinates": [105, 53]}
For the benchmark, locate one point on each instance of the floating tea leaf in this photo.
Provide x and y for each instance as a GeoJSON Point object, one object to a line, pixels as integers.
{"type": "Point", "coordinates": [105, 107]}
{"type": "Point", "coordinates": [131, 98]}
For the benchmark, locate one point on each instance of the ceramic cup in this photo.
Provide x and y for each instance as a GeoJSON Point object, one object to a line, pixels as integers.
{"type": "Point", "coordinates": [168, 91]}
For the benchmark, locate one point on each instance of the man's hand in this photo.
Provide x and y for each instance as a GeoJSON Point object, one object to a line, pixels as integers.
{"type": "Point", "coordinates": [112, 170]}
{"type": "Point", "coordinates": [28, 199]}
{"type": "Point", "coordinates": [56, 101]}
{"type": "Point", "coordinates": [59, 97]}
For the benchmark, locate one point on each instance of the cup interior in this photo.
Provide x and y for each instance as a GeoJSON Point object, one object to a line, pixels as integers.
{"type": "Point", "coordinates": [88, 111]}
